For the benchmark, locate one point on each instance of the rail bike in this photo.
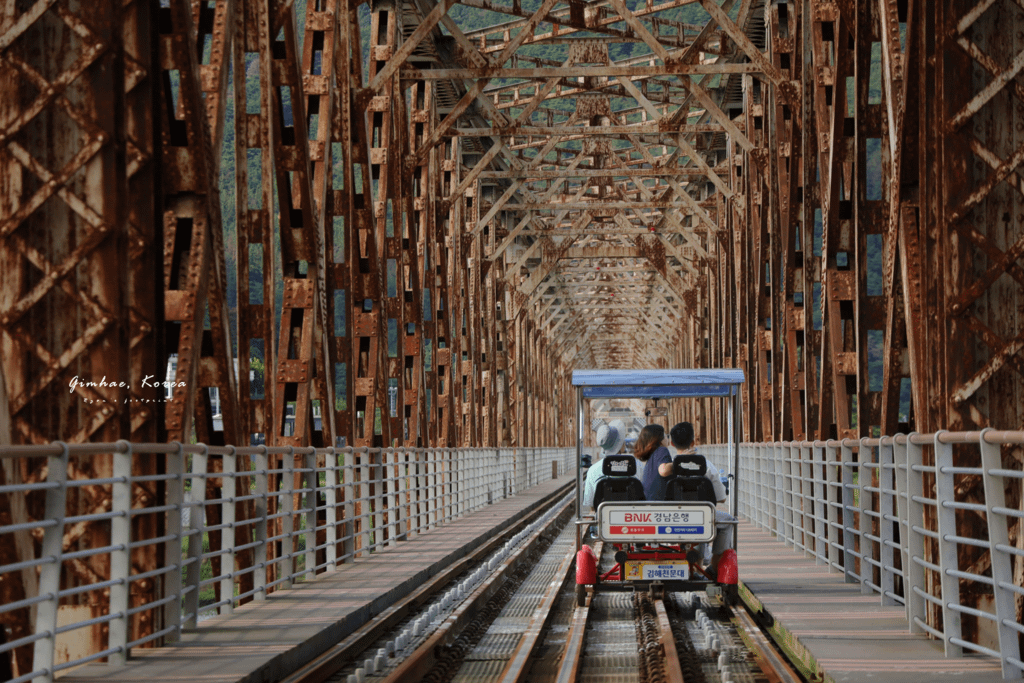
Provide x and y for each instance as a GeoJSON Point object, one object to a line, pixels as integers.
{"type": "Point", "coordinates": [661, 545]}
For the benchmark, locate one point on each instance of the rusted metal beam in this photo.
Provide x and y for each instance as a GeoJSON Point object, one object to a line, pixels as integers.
{"type": "Point", "coordinates": [80, 325]}
{"type": "Point", "coordinates": [573, 71]}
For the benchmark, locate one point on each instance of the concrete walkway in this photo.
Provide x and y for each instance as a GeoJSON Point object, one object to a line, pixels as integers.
{"type": "Point", "coordinates": [264, 641]}
{"type": "Point", "coordinates": [835, 632]}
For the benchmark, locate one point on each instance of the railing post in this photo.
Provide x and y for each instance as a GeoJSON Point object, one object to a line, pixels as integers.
{"type": "Point", "coordinates": [197, 526]}
{"type": "Point", "coordinates": [331, 508]}
{"type": "Point", "coordinates": [744, 476]}
{"type": "Point", "coordinates": [755, 475]}
{"type": "Point", "coordinates": [174, 546]}
{"type": "Point", "coordinates": [434, 499]}
{"type": "Point", "coordinates": [532, 468]}
{"type": "Point", "coordinates": [807, 499]}
{"type": "Point", "coordinates": [945, 492]}
{"type": "Point", "coordinates": [418, 480]}
{"type": "Point", "coordinates": [535, 471]}
{"type": "Point", "coordinates": [503, 468]}
{"type": "Point", "coordinates": [466, 469]}
{"type": "Point", "coordinates": [866, 545]}
{"type": "Point", "coordinates": [780, 483]}
{"type": "Point", "coordinates": [788, 485]}
{"type": "Point", "coordinates": [260, 530]}
{"type": "Point", "coordinates": [428, 502]}
{"type": "Point", "coordinates": [524, 474]}
{"type": "Point", "coordinates": [441, 485]}
{"type": "Point", "coordinates": [49, 573]}
{"type": "Point", "coordinates": [765, 476]}
{"type": "Point", "coordinates": [1001, 558]}
{"type": "Point", "coordinates": [832, 481]}
{"type": "Point", "coordinates": [312, 487]}
{"type": "Point", "coordinates": [451, 459]}
{"type": "Point", "coordinates": [514, 470]}
{"type": "Point", "coordinates": [750, 476]}
{"type": "Point", "coordinates": [227, 537]}
{"type": "Point", "coordinates": [120, 557]}
{"type": "Point", "coordinates": [458, 477]}
{"type": "Point", "coordinates": [472, 485]}
{"type": "Point", "coordinates": [914, 572]}
{"type": "Point", "coordinates": [365, 504]}
{"type": "Point", "coordinates": [744, 486]}
{"type": "Point", "coordinates": [820, 516]}
{"type": "Point", "coordinates": [406, 473]}
{"type": "Point", "coordinates": [528, 470]}
{"type": "Point", "coordinates": [389, 466]}
{"type": "Point", "coordinates": [885, 548]}
{"type": "Point", "coordinates": [348, 530]}
{"type": "Point", "coordinates": [417, 493]}
{"type": "Point", "coordinates": [472, 500]}
{"type": "Point", "coordinates": [845, 476]}
{"type": "Point", "coordinates": [480, 475]}
{"type": "Point", "coordinates": [286, 508]}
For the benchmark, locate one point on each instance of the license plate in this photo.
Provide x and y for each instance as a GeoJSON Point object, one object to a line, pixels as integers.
{"type": "Point", "coordinates": [639, 570]}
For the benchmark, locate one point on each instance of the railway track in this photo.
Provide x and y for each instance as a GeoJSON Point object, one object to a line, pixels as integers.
{"type": "Point", "coordinates": [508, 614]}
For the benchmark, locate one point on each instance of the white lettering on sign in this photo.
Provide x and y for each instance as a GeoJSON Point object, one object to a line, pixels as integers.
{"type": "Point", "coordinates": [619, 466]}
{"type": "Point", "coordinates": [661, 517]}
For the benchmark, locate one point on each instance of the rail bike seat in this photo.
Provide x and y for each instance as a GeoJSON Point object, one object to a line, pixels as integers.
{"type": "Point", "coordinates": [618, 482]}
{"type": "Point", "coordinates": [689, 483]}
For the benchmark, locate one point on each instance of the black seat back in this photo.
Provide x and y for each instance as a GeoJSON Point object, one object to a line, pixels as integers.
{"type": "Point", "coordinates": [689, 483]}
{"type": "Point", "coordinates": [618, 483]}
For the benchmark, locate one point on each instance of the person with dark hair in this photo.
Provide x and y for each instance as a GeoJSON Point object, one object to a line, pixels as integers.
{"type": "Point", "coordinates": [651, 455]}
{"type": "Point", "coordinates": [682, 435]}
{"type": "Point", "coordinates": [682, 440]}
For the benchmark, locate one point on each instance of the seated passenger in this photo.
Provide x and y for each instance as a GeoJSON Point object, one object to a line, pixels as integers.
{"type": "Point", "coordinates": [610, 438]}
{"type": "Point", "coordinates": [651, 454]}
{"type": "Point", "coordinates": [682, 439]}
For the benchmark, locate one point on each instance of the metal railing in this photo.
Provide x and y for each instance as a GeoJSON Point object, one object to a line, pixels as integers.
{"type": "Point", "coordinates": [924, 521]}
{"type": "Point", "coordinates": [226, 524]}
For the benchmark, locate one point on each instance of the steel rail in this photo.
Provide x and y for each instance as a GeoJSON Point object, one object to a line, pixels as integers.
{"type": "Point", "coordinates": [519, 664]}
{"type": "Point", "coordinates": [774, 666]}
{"type": "Point", "coordinates": [423, 659]}
{"type": "Point", "coordinates": [568, 668]}
{"type": "Point", "coordinates": [673, 671]}
{"type": "Point", "coordinates": [347, 651]}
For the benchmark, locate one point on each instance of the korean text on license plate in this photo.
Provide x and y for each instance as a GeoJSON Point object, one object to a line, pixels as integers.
{"type": "Point", "coordinates": [657, 571]}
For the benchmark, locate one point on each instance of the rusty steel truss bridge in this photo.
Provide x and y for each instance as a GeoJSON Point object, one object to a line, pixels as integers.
{"type": "Point", "coordinates": [450, 218]}
{"type": "Point", "coordinates": [405, 223]}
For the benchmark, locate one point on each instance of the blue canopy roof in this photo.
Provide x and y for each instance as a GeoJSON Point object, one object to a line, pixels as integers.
{"type": "Point", "coordinates": [691, 383]}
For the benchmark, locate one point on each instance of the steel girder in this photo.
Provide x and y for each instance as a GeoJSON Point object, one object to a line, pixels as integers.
{"type": "Point", "coordinates": [878, 294]}
{"type": "Point", "coordinates": [825, 194]}
{"type": "Point", "coordinates": [81, 306]}
{"type": "Point", "coordinates": [510, 199]}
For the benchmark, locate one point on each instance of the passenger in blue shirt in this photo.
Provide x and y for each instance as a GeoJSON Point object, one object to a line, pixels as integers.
{"type": "Point", "coordinates": [651, 453]}
{"type": "Point", "coordinates": [610, 438]}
